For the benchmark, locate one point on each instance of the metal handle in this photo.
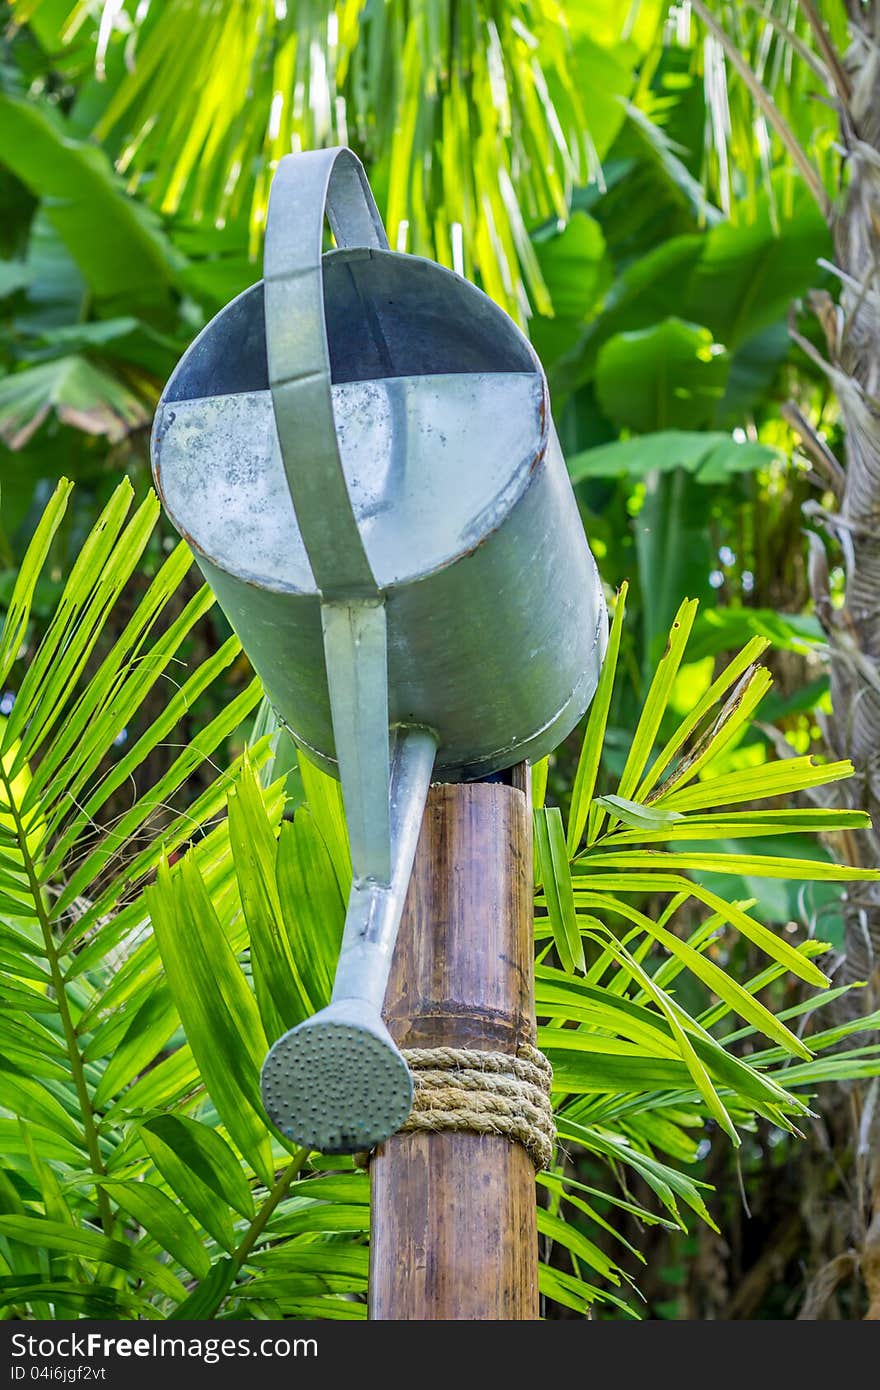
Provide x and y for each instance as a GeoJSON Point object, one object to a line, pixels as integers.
{"type": "Point", "coordinates": [337, 1081]}
{"type": "Point", "coordinates": [306, 188]}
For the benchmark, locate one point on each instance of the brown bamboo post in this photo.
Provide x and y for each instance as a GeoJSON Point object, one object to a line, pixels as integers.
{"type": "Point", "coordinates": [453, 1214]}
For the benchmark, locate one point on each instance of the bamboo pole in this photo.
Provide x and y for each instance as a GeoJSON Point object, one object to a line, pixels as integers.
{"type": "Point", "coordinates": [453, 1214]}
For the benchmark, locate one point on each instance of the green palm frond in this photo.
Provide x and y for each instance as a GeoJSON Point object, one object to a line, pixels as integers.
{"type": "Point", "coordinates": [145, 962]}
{"type": "Point", "coordinates": [624, 903]}
{"type": "Point", "coordinates": [87, 1016]}
{"type": "Point", "coordinates": [140, 1177]}
{"type": "Point", "coordinates": [477, 121]}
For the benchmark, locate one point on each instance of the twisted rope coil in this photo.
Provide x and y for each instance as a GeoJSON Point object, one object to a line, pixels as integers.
{"type": "Point", "coordinates": [463, 1089]}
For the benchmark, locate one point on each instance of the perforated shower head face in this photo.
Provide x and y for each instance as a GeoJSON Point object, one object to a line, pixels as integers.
{"type": "Point", "coordinates": [337, 1083]}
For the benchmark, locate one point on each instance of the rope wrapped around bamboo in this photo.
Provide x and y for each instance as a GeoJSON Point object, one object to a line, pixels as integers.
{"type": "Point", "coordinates": [461, 1088]}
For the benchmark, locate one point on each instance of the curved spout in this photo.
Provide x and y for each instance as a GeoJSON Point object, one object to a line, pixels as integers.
{"type": "Point", "coordinates": [337, 1082]}
{"type": "Point", "coordinates": [375, 909]}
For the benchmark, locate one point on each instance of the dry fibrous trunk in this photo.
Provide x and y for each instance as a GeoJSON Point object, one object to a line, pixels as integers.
{"type": "Point", "coordinates": [852, 331]}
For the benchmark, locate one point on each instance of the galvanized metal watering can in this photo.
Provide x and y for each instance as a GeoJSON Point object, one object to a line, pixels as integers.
{"type": "Point", "coordinates": [360, 453]}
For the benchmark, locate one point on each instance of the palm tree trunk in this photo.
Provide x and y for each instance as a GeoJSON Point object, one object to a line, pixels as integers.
{"type": "Point", "coordinates": [852, 332]}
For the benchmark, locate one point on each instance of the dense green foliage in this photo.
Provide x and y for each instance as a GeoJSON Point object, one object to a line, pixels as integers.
{"type": "Point", "coordinates": [605, 176]}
